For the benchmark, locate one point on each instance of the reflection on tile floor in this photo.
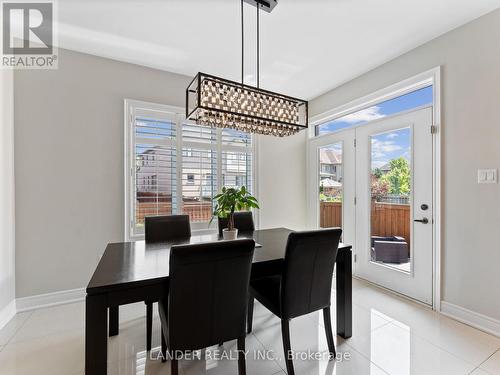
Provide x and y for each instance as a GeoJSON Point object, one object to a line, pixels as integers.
{"type": "Point", "coordinates": [390, 336]}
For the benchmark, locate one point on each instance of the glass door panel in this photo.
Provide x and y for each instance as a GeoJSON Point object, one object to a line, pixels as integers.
{"type": "Point", "coordinates": [390, 208]}
{"type": "Point", "coordinates": [330, 185]}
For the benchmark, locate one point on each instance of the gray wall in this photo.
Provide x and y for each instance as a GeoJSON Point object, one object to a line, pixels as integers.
{"type": "Point", "coordinates": [69, 166]}
{"type": "Point", "coordinates": [470, 57]}
{"type": "Point", "coordinates": [282, 184]}
{"type": "Point", "coordinates": [7, 254]}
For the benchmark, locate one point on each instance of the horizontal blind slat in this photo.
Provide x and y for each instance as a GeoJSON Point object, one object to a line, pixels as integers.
{"type": "Point", "coordinates": [155, 169]}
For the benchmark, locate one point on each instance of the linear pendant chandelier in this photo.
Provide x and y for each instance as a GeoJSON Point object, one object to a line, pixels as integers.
{"type": "Point", "coordinates": [218, 102]}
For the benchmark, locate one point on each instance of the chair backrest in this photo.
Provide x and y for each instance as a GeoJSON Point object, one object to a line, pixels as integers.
{"type": "Point", "coordinates": [166, 228]}
{"type": "Point", "coordinates": [208, 293]}
{"type": "Point", "coordinates": [243, 221]}
{"type": "Point", "coordinates": [308, 270]}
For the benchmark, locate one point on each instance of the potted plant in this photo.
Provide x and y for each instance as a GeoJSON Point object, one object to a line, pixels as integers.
{"type": "Point", "coordinates": [229, 201]}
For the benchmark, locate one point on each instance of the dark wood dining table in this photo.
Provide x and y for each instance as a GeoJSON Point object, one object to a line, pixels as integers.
{"type": "Point", "coordinates": [131, 272]}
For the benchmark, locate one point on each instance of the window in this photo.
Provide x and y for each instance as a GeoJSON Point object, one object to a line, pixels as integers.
{"type": "Point", "coordinates": [413, 99]}
{"type": "Point", "coordinates": [176, 167]}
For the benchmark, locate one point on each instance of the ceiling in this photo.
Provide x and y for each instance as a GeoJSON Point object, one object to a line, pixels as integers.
{"type": "Point", "coordinates": [307, 46]}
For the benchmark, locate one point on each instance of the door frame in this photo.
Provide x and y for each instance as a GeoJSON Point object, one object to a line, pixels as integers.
{"type": "Point", "coordinates": [432, 76]}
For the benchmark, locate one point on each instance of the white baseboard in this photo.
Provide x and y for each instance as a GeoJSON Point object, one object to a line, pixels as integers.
{"type": "Point", "coordinates": [472, 318]}
{"type": "Point", "coordinates": [50, 299]}
{"type": "Point", "coordinates": [7, 313]}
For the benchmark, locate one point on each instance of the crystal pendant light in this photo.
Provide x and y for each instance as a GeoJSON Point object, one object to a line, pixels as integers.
{"type": "Point", "coordinates": [221, 103]}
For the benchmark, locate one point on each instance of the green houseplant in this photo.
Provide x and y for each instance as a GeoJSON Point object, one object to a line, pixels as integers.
{"type": "Point", "coordinates": [228, 202]}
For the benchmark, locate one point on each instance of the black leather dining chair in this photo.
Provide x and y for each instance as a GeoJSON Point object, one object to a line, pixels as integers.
{"type": "Point", "coordinates": [206, 301]}
{"type": "Point", "coordinates": [162, 229]}
{"type": "Point", "coordinates": [243, 221]}
{"type": "Point", "coordinates": [166, 228]}
{"type": "Point", "coordinates": [304, 285]}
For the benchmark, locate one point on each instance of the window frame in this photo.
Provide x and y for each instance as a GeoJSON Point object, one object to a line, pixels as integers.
{"type": "Point", "coordinates": [177, 114]}
{"type": "Point", "coordinates": [417, 82]}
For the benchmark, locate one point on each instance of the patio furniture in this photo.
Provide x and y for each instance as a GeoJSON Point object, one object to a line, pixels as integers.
{"type": "Point", "coordinates": [391, 249]}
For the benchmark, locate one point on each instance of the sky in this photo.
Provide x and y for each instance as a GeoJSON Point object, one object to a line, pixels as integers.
{"type": "Point", "coordinates": [386, 146]}
{"type": "Point", "coordinates": [389, 146]}
{"type": "Point", "coordinates": [402, 103]}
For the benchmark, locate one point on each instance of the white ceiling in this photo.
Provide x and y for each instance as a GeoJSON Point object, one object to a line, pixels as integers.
{"type": "Point", "coordinates": [307, 46]}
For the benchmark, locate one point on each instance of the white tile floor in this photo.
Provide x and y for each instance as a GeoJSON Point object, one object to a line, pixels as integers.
{"type": "Point", "coordinates": [390, 336]}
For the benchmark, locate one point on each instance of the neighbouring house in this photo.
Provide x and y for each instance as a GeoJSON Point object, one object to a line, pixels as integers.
{"type": "Point", "coordinates": [149, 178]}
{"type": "Point", "coordinates": [330, 164]}
{"type": "Point", "coordinates": [386, 168]}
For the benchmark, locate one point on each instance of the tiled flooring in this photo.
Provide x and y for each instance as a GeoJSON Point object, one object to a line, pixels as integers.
{"type": "Point", "coordinates": [390, 336]}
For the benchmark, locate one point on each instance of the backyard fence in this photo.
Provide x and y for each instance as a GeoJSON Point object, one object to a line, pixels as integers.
{"type": "Point", "coordinates": [387, 219]}
{"type": "Point", "coordinates": [330, 214]}
{"type": "Point", "coordinates": [197, 211]}
{"type": "Point", "coordinates": [395, 199]}
{"type": "Point", "coordinates": [391, 220]}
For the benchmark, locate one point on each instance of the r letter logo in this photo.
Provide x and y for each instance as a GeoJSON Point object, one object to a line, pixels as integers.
{"type": "Point", "coordinates": [28, 35]}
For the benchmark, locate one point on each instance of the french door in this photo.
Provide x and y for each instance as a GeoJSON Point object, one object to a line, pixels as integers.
{"type": "Point", "coordinates": [385, 192]}
{"type": "Point", "coordinates": [394, 213]}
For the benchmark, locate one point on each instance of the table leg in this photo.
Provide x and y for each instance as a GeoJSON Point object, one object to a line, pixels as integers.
{"type": "Point", "coordinates": [149, 324]}
{"type": "Point", "coordinates": [113, 320]}
{"type": "Point", "coordinates": [96, 338]}
{"type": "Point", "coordinates": [344, 293]}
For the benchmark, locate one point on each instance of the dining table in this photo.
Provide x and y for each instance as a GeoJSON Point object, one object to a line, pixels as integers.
{"type": "Point", "coordinates": [135, 271]}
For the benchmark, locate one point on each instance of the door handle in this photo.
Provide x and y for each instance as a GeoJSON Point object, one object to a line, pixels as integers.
{"type": "Point", "coordinates": [423, 221]}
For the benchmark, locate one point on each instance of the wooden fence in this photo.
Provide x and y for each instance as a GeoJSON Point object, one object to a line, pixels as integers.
{"type": "Point", "coordinates": [198, 211]}
{"type": "Point", "coordinates": [330, 214]}
{"type": "Point", "coordinates": [387, 219]}
{"type": "Point", "coordinates": [391, 220]}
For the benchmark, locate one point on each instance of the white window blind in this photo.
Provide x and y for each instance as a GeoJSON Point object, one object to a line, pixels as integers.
{"type": "Point", "coordinates": [199, 176]}
{"type": "Point", "coordinates": [175, 167]}
{"type": "Point", "coordinates": [235, 138]}
{"type": "Point", "coordinates": [236, 169]}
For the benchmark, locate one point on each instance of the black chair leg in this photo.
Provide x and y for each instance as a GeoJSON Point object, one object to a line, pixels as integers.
{"type": "Point", "coordinates": [241, 356]}
{"type": "Point", "coordinates": [285, 332]}
{"type": "Point", "coordinates": [149, 324]}
{"type": "Point", "coordinates": [163, 347]}
{"type": "Point", "coordinates": [174, 367]}
{"type": "Point", "coordinates": [250, 314]}
{"type": "Point", "coordinates": [328, 330]}
{"type": "Point", "coordinates": [113, 320]}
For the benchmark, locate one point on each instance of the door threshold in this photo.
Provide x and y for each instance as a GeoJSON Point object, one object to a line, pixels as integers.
{"type": "Point", "coordinates": [397, 294]}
